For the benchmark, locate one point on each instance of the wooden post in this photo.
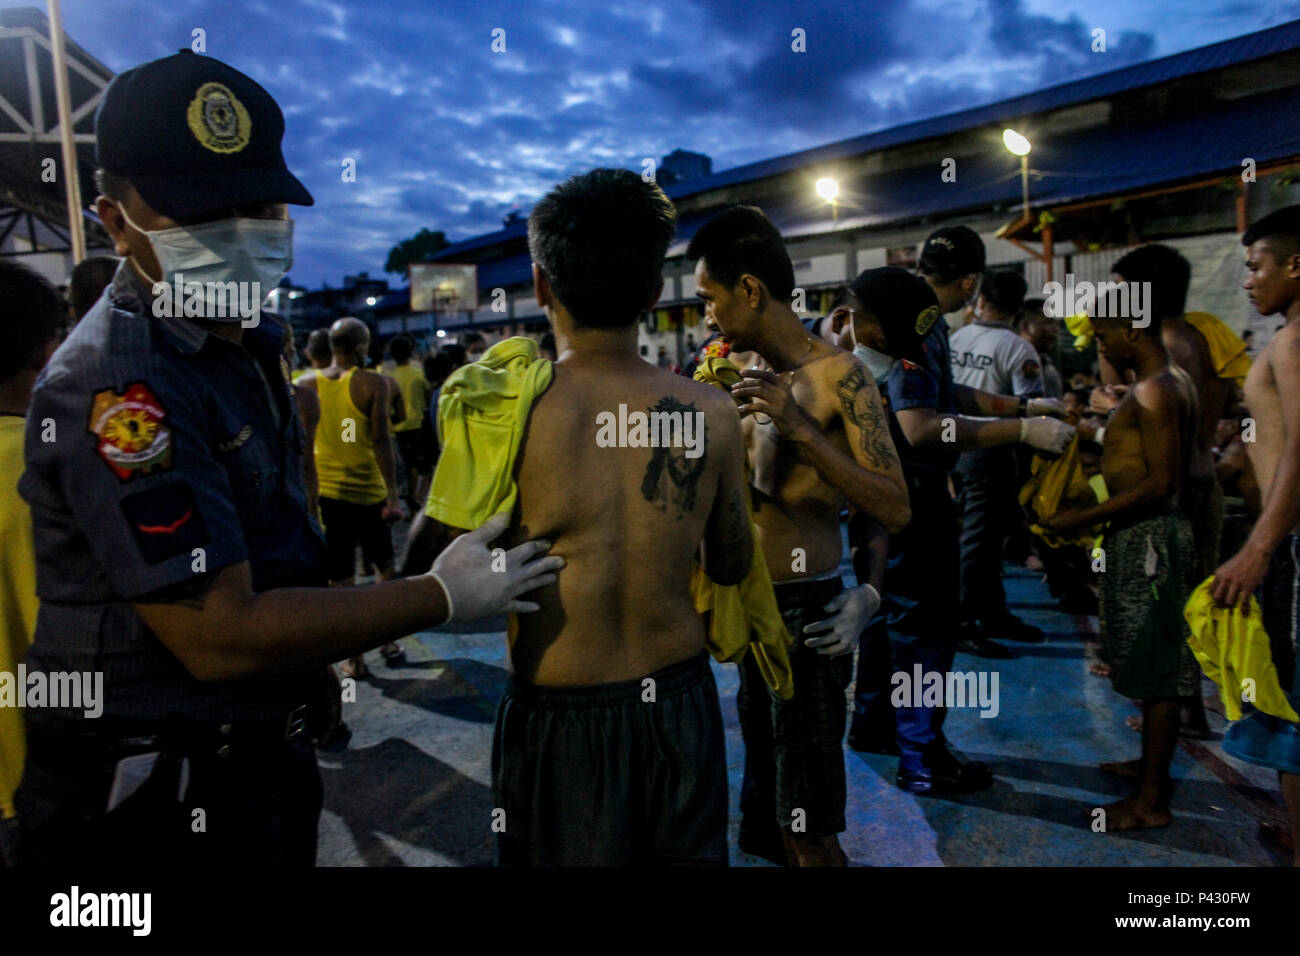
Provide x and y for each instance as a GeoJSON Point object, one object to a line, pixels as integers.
{"type": "Point", "coordinates": [1047, 250]}
{"type": "Point", "coordinates": [71, 174]}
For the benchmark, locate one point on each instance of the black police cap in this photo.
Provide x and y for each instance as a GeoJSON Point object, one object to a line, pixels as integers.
{"type": "Point", "coordinates": [904, 304]}
{"type": "Point", "coordinates": [194, 135]}
{"type": "Point", "coordinates": [952, 251]}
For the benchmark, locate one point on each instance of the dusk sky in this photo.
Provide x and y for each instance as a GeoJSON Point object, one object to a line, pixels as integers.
{"type": "Point", "coordinates": [449, 135]}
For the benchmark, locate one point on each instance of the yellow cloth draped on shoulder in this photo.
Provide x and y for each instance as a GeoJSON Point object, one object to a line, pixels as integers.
{"type": "Point", "coordinates": [1233, 649]}
{"type": "Point", "coordinates": [482, 413]}
{"type": "Point", "coordinates": [744, 617]}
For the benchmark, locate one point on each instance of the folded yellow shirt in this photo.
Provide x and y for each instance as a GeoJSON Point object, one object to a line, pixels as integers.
{"type": "Point", "coordinates": [482, 413]}
{"type": "Point", "coordinates": [745, 616]}
{"type": "Point", "coordinates": [1232, 647]}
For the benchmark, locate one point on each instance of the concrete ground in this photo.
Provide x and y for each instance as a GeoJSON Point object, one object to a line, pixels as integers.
{"type": "Point", "coordinates": [413, 786]}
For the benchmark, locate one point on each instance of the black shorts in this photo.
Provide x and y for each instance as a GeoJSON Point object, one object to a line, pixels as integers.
{"type": "Point", "coordinates": [598, 776]}
{"type": "Point", "coordinates": [417, 448]}
{"type": "Point", "coordinates": [348, 525]}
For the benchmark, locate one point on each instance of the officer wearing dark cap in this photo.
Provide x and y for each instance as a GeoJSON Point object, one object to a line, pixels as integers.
{"type": "Point", "coordinates": [892, 320]}
{"type": "Point", "coordinates": [176, 559]}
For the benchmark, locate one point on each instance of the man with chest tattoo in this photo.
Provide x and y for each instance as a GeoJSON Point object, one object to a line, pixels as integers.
{"type": "Point", "coordinates": [816, 439]}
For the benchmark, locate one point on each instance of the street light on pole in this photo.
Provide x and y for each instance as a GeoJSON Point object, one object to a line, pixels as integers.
{"type": "Point", "coordinates": [829, 190]}
{"type": "Point", "coordinates": [1020, 146]}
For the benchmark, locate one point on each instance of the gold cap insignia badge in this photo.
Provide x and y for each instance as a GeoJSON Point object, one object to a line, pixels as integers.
{"type": "Point", "coordinates": [218, 120]}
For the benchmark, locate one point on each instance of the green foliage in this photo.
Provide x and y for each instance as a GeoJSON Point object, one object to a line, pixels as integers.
{"type": "Point", "coordinates": [419, 248]}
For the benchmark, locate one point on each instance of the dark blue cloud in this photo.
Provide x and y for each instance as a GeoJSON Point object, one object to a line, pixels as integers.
{"type": "Point", "coordinates": [450, 135]}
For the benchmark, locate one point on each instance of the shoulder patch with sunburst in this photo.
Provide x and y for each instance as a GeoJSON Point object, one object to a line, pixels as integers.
{"type": "Point", "coordinates": [133, 438]}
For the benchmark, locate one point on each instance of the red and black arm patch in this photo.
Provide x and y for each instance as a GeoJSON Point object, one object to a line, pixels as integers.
{"type": "Point", "coordinates": [131, 431]}
{"type": "Point", "coordinates": [165, 521]}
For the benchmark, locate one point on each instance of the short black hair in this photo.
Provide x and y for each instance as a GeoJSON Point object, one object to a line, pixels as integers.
{"type": "Point", "coordinates": [318, 345]}
{"type": "Point", "coordinates": [400, 348]}
{"type": "Point", "coordinates": [33, 315]}
{"type": "Point", "coordinates": [739, 241]}
{"type": "Point", "coordinates": [1281, 228]}
{"type": "Point", "coordinates": [455, 355]}
{"type": "Point", "coordinates": [473, 338]}
{"type": "Point", "coordinates": [1004, 289]}
{"type": "Point", "coordinates": [88, 281]}
{"type": "Point", "coordinates": [1031, 310]}
{"type": "Point", "coordinates": [437, 366]}
{"type": "Point", "coordinates": [1168, 272]}
{"type": "Point", "coordinates": [600, 239]}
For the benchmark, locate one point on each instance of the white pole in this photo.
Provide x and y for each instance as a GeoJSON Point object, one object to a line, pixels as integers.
{"type": "Point", "coordinates": [71, 174]}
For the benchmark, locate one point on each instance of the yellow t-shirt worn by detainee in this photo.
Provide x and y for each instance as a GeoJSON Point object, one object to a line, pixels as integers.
{"type": "Point", "coordinates": [17, 600]}
{"type": "Point", "coordinates": [416, 392]}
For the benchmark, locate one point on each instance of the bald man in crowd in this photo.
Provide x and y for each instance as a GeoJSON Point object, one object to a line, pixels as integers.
{"type": "Point", "coordinates": [355, 464]}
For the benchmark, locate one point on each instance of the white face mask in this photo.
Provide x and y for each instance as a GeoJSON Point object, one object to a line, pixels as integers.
{"type": "Point", "coordinates": [878, 363]}
{"type": "Point", "coordinates": [225, 250]}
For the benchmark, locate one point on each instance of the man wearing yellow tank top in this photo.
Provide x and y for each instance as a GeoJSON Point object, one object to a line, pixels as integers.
{"type": "Point", "coordinates": [355, 465]}
{"type": "Point", "coordinates": [414, 434]}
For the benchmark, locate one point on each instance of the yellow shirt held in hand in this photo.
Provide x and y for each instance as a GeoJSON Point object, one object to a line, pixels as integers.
{"type": "Point", "coordinates": [18, 602]}
{"type": "Point", "coordinates": [1234, 652]}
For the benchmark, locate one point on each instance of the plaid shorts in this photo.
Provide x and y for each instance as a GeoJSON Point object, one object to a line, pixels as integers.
{"type": "Point", "coordinates": [794, 751]}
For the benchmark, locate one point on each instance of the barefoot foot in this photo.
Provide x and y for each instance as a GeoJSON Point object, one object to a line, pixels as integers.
{"type": "Point", "coordinates": [354, 667]}
{"type": "Point", "coordinates": [1131, 814]}
{"type": "Point", "coordinates": [1123, 768]}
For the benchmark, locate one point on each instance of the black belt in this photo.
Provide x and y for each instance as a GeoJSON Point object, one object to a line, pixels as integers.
{"type": "Point", "coordinates": [177, 733]}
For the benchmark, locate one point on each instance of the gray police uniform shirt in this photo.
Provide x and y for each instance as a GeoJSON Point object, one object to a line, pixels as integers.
{"type": "Point", "coordinates": [175, 453]}
{"type": "Point", "coordinates": [995, 359]}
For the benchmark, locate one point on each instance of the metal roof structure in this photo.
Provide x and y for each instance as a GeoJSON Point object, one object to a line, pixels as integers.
{"type": "Point", "coordinates": [30, 204]}
{"type": "Point", "coordinates": [1199, 137]}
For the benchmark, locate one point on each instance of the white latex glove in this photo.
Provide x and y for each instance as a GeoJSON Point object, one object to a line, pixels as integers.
{"type": "Point", "coordinates": [475, 590]}
{"type": "Point", "coordinates": [1045, 406]}
{"type": "Point", "coordinates": [853, 608]}
{"type": "Point", "coordinates": [1046, 434]}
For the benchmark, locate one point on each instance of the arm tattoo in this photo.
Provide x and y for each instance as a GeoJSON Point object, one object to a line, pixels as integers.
{"type": "Point", "coordinates": [737, 528]}
{"type": "Point", "coordinates": [671, 479]}
{"type": "Point", "coordinates": [869, 417]}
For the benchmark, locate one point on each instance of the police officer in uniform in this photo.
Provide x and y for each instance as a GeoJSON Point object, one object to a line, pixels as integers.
{"type": "Point", "coordinates": [176, 559]}
{"type": "Point", "coordinates": [988, 355]}
{"type": "Point", "coordinates": [893, 319]}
